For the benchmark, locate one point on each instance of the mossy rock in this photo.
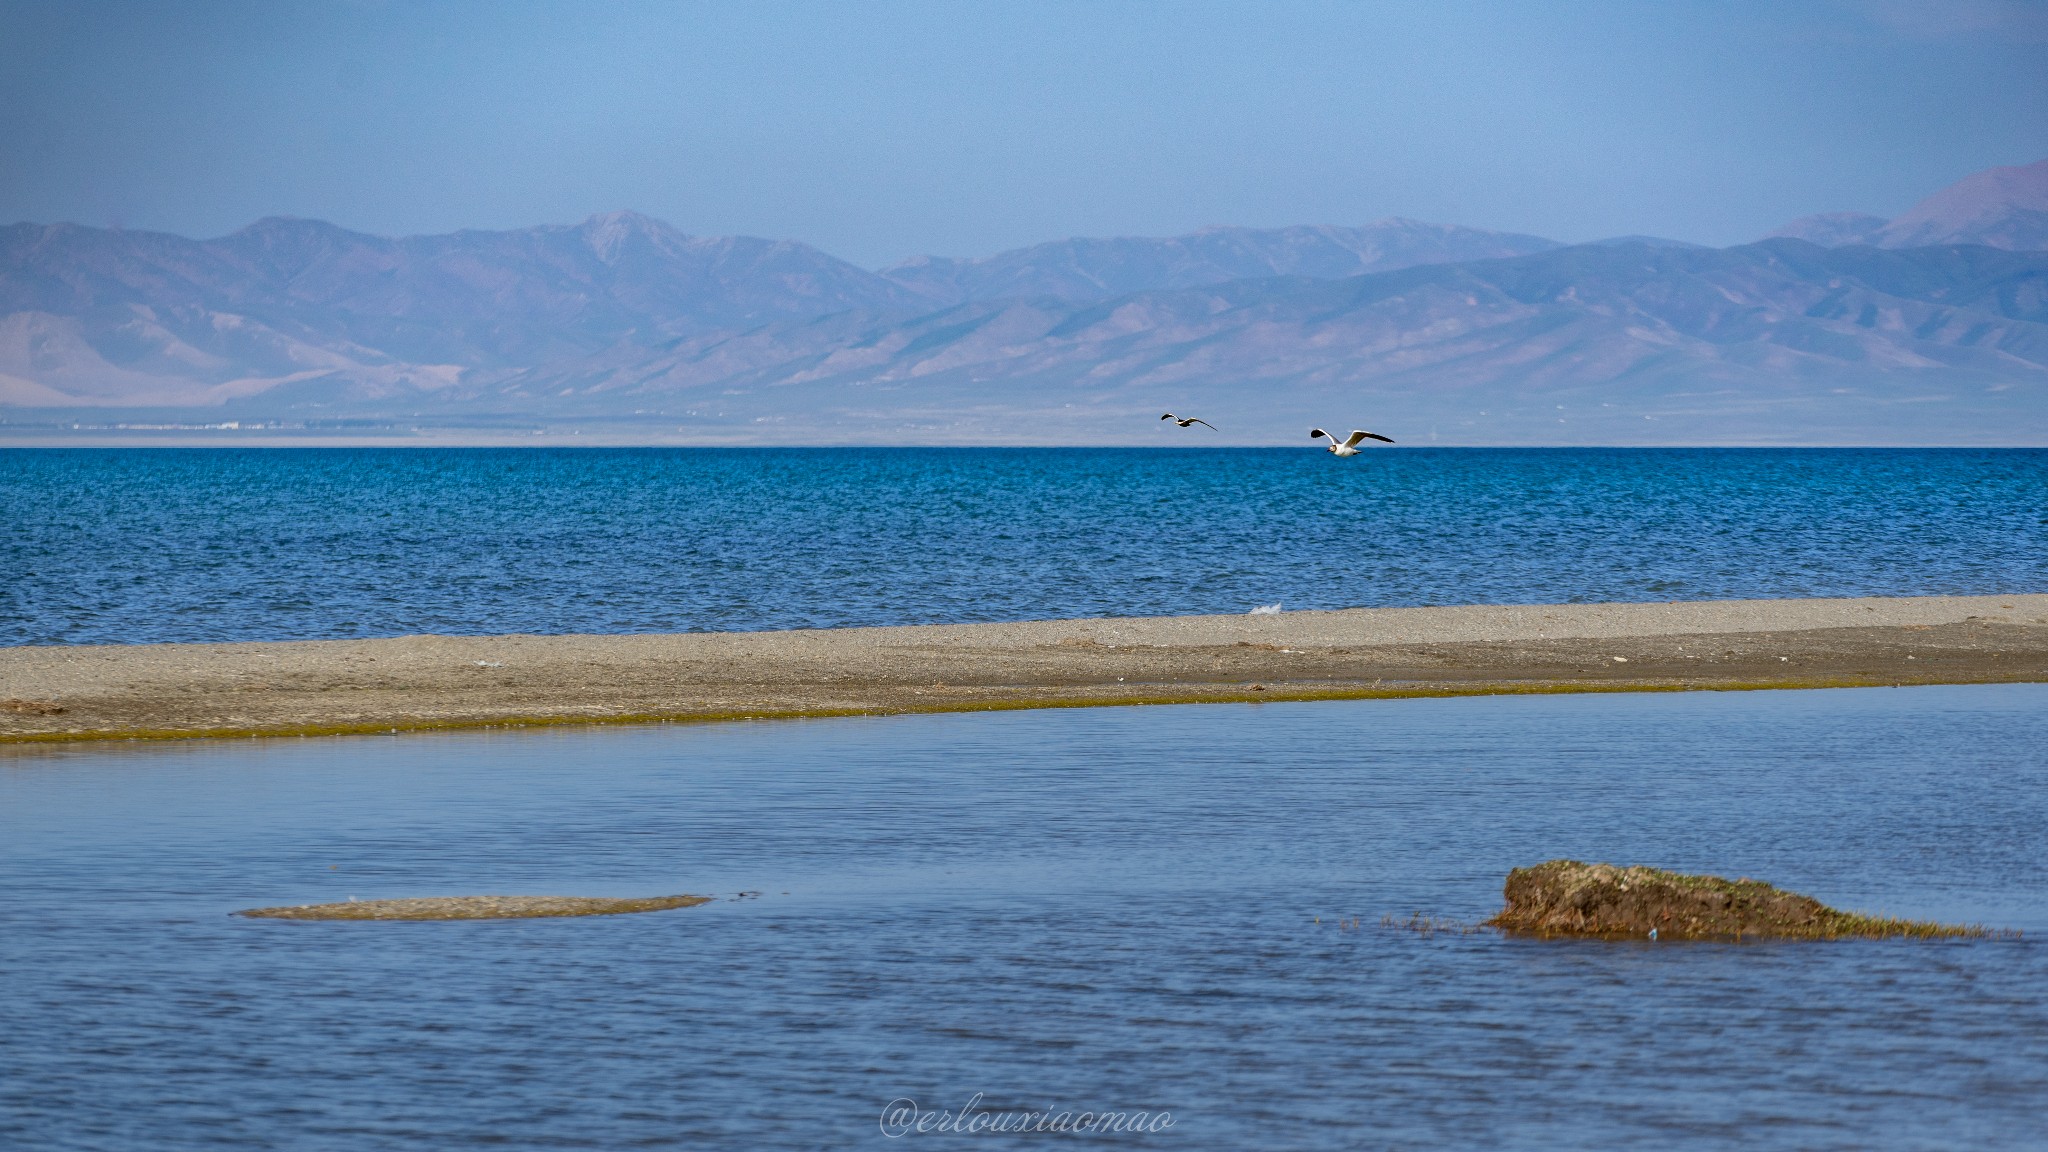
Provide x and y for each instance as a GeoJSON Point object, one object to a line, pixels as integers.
{"type": "Point", "coordinates": [1570, 898]}
{"type": "Point", "coordinates": [475, 908]}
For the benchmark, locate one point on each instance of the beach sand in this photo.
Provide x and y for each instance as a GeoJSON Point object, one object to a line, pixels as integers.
{"type": "Point", "coordinates": [163, 691]}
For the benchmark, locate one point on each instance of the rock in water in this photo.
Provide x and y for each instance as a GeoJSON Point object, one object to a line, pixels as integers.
{"type": "Point", "coordinates": [475, 908]}
{"type": "Point", "coordinates": [1568, 898]}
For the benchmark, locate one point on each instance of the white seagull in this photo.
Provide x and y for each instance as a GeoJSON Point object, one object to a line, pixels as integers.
{"type": "Point", "coordinates": [1188, 421]}
{"type": "Point", "coordinates": [1349, 445]}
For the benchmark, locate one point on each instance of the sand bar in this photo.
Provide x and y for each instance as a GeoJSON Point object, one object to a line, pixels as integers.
{"type": "Point", "coordinates": [476, 908]}
{"type": "Point", "coordinates": [168, 691]}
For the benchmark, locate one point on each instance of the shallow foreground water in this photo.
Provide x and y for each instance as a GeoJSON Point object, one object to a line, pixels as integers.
{"type": "Point", "coordinates": [1063, 910]}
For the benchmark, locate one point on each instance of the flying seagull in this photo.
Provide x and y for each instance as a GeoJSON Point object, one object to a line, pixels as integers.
{"type": "Point", "coordinates": [1349, 445]}
{"type": "Point", "coordinates": [1188, 421]}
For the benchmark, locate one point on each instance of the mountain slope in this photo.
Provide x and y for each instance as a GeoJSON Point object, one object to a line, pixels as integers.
{"type": "Point", "coordinates": [91, 312]}
{"type": "Point", "coordinates": [1931, 338]}
{"type": "Point", "coordinates": [1095, 269]}
{"type": "Point", "coordinates": [1998, 208]}
{"type": "Point", "coordinates": [1833, 229]}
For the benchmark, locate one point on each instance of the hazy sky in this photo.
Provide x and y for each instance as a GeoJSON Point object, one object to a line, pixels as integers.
{"type": "Point", "coordinates": [878, 130]}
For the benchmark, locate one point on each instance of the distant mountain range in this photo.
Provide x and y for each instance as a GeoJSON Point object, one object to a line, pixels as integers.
{"type": "Point", "coordinates": [1845, 328]}
{"type": "Point", "coordinates": [144, 318]}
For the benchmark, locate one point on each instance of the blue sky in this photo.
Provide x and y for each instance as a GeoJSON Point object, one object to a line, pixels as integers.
{"type": "Point", "coordinates": [879, 130]}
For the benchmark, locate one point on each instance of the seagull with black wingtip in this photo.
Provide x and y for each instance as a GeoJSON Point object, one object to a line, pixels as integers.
{"type": "Point", "coordinates": [1185, 422]}
{"type": "Point", "coordinates": [1349, 445]}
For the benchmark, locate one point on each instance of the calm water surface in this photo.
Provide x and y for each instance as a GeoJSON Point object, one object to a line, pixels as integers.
{"type": "Point", "coordinates": [134, 545]}
{"type": "Point", "coordinates": [1064, 909]}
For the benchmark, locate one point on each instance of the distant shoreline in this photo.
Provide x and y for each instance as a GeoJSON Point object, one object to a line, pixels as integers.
{"type": "Point", "coordinates": [25, 436]}
{"type": "Point", "coordinates": [419, 683]}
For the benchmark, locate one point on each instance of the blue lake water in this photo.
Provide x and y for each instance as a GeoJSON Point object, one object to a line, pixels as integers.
{"type": "Point", "coordinates": [1110, 908]}
{"type": "Point", "coordinates": [136, 545]}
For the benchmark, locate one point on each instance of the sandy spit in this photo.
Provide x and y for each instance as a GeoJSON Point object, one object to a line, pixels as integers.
{"type": "Point", "coordinates": [166, 691]}
{"type": "Point", "coordinates": [476, 908]}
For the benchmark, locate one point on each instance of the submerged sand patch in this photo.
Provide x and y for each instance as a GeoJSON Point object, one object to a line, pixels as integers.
{"type": "Point", "coordinates": [475, 907]}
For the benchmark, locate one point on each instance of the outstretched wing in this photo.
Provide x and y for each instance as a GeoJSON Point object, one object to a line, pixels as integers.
{"type": "Point", "coordinates": [1357, 436]}
{"type": "Point", "coordinates": [1168, 416]}
{"type": "Point", "coordinates": [1202, 422]}
{"type": "Point", "coordinates": [1315, 432]}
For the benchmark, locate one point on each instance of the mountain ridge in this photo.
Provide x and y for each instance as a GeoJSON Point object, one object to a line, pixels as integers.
{"type": "Point", "coordinates": [1949, 306]}
{"type": "Point", "coordinates": [1998, 208]}
{"type": "Point", "coordinates": [1091, 268]}
{"type": "Point", "coordinates": [623, 317]}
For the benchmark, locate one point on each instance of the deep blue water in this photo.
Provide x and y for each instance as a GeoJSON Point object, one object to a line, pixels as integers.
{"type": "Point", "coordinates": [135, 545]}
{"type": "Point", "coordinates": [1110, 908]}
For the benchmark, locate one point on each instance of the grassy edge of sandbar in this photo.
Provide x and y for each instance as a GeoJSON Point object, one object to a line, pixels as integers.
{"type": "Point", "coordinates": [1024, 701]}
{"type": "Point", "coordinates": [1569, 898]}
